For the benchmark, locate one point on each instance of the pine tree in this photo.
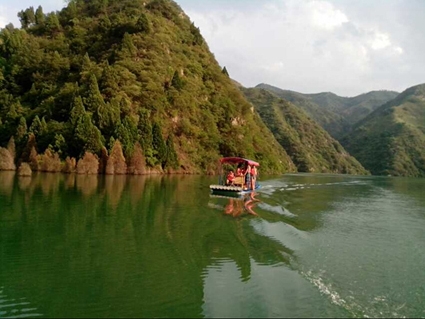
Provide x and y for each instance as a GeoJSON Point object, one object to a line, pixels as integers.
{"type": "Point", "coordinates": [224, 71]}
{"type": "Point", "coordinates": [142, 24]}
{"type": "Point", "coordinates": [176, 81]}
{"type": "Point", "coordinates": [21, 131]}
{"type": "Point", "coordinates": [145, 130]}
{"type": "Point", "coordinates": [77, 111]}
{"type": "Point", "coordinates": [94, 99]}
{"type": "Point", "coordinates": [158, 144]}
{"type": "Point", "coordinates": [39, 16]}
{"type": "Point", "coordinates": [35, 126]}
{"type": "Point", "coordinates": [171, 158]}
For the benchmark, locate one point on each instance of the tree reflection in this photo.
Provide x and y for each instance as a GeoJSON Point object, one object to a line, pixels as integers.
{"type": "Point", "coordinates": [146, 240]}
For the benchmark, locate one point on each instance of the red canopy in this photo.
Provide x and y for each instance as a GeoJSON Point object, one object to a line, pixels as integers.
{"type": "Point", "coordinates": [237, 160]}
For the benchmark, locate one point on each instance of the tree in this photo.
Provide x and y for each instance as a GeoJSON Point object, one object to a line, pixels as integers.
{"type": "Point", "coordinates": [77, 110]}
{"type": "Point", "coordinates": [21, 131]}
{"type": "Point", "coordinates": [39, 16]}
{"type": "Point", "coordinates": [94, 99]}
{"type": "Point", "coordinates": [87, 136]}
{"type": "Point", "coordinates": [197, 37]}
{"type": "Point", "coordinates": [60, 145]}
{"type": "Point", "coordinates": [27, 17]}
{"type": "Point", "coordinates": [176, 81]}
{"type": "Point", "coordinates": [224, 71]}
{"type": "Point", "coordinates": [116, 161]}
{"type": "Point", "coordinates": [108, 117]}
{"type": "Point", "coordinates": [36, 126]}
{"type": "Point", "coordinates": [142, 24]}
{"type": "Point", "coordinates": [171, 157]}
{"type": "Point", "coordinates": [158, 144]}
{"type": "Point", "coordinates": [52, 23]}
{"type": "Point", "coordinates": [130, 124]}
{"type": "Point", "coordinates": [145, 135]}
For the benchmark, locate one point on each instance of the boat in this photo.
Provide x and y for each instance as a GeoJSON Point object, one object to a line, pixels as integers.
{"type": "Point", "coordinates": [238, 187]}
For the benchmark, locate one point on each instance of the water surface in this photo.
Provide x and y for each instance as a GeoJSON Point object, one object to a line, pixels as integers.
{"type": "Point", "coordinates": [161, 246]}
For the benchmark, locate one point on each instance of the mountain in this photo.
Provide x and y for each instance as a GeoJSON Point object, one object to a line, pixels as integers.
{"type": "Point", "coordinates": [310, 147]}
{"type": "Point", "coordinates": [124, 86]}
{"type": "Point", "coordinates": [334, 113]}
{"type": "Point", "coordinates": [353, 109]}
{"type": "Point", "coordinates": [332, 122]}
{"type": "Point", "coordinates": [390, 140]}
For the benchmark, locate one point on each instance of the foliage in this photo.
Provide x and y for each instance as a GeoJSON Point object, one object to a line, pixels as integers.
{"type": "Point", "coordinates": [116, 162]}
{"type": "Point", "coordinates": [88, 164]}
{"type": "Point", "coordinates": [133, 71]}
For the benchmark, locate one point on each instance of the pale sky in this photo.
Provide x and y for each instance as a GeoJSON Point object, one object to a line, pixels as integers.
{"type": "Point", "coordinates": [347, 47]}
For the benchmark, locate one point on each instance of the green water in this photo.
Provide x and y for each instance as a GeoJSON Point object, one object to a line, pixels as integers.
{"type": "Point", "coordinates": [162, 246]}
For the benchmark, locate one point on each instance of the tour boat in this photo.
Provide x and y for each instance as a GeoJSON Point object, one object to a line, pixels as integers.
{"type": "Point", "coordinates": [238, 186]}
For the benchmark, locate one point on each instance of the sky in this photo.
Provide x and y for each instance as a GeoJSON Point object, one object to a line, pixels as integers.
{"type": "Point", "coordinates": [347, 47]}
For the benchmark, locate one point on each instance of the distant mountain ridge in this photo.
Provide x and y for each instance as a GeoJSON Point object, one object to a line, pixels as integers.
{"type": "Point", "coordinates": [391, 140]}
{"type": "Point", "coordinates": [310, 147]}
{"type": "Point", "coordinates": [334, 113]}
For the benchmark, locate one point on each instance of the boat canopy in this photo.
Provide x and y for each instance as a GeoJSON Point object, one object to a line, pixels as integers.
{"type": "Point", "coordinates": [237, 160]}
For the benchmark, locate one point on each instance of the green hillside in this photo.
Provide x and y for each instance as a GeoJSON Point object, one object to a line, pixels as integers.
{"type": "Point", "coordinates": [353, 109]}
{"type": "Point", "coordinates": [75, 82]}
{"type": "Point", "coordinates": [331, 121]}
{"type": "Point", "coordinates": [390, 141]}
{"type": "Point", "coordinates": [334, 113]}
{"type": "Point", "coordinates": [310, 147]}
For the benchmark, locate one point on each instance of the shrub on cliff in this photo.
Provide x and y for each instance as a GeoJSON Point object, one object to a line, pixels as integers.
{"type": "Point", "coordinates": [89, 164]}
{"type": "Point", "coordinates": [137, 163]}
{"type": "Point", "coordinates": [116, 161]}
{"type": "Point", "coordinates": [6, 160]}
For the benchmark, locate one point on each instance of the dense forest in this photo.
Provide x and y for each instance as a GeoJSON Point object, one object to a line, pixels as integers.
{"type": "Point", "coordinates": [121, 87]}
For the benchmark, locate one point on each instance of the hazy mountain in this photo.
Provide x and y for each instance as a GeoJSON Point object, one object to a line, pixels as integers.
{"type": "Point", "coordinates": [310, 147]}
{"type": "Point", "coordinates": [334, 113]}
{"type": "Point", "coordinates": [390, 141]}
{"type": "Point", "coordinates": [332, 122]}
{"type": "Point", "coordinates": [353, 109]}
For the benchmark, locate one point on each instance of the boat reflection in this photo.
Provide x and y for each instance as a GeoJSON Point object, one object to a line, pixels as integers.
{"type": "Point", "coordinates": [240, 205]}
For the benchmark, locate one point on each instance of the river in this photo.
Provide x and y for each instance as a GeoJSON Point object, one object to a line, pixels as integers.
{"type": "Point", "coordinates": [305, 245]}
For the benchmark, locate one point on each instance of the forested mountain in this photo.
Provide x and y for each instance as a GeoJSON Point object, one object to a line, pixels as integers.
{"type": "Point", "coordinates": [353, 109]}
{"type": "Point", "coordinates": [390, 141]}
{"type": "Point", "coordinates": [122, 86]}
{"type": "Point", "coordinates": [310, 147]}
{"type": "Point", "coordinates": [332, 122]}
{"type": "Point", "coordinates": [334, 113]}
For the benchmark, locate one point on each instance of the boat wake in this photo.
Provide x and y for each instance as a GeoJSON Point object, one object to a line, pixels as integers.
{"type": "Point", "coordinates": [377, 307]}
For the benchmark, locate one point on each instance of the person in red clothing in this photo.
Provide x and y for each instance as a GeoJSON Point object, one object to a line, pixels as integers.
{"type": "Point", "coordinates": [239, 171]}
{"type": "Point", "coordinates": [254, 174]}
{"type": "Point", "coordinates": [230, 178]}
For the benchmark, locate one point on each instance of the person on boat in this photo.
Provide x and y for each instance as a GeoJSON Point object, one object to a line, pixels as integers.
{"type": "Point", "coordinates": [230, 178]}
{"type": "Point", "coordinates": [239, 171]}
{"type": "Point", "coordinates": [254, 174]}
{"type": "Point", "coordinates": [247, 177]}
